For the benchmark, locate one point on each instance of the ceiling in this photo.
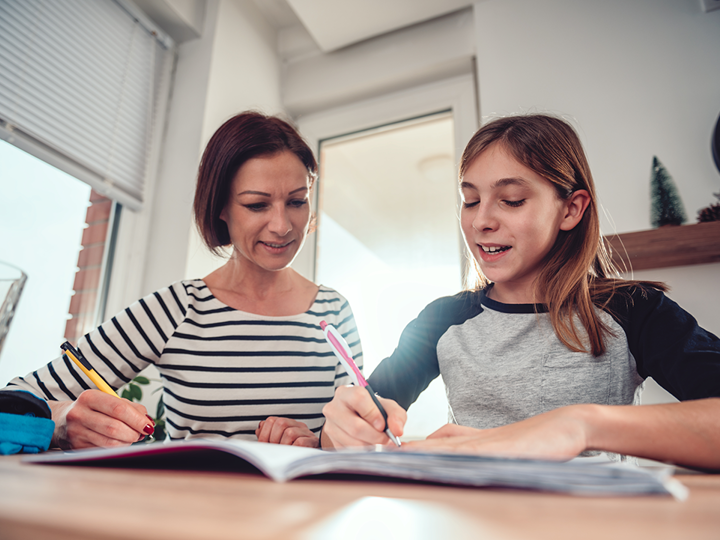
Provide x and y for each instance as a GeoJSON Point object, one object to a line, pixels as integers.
{"type": "Point", "coordinates": [334, 24]}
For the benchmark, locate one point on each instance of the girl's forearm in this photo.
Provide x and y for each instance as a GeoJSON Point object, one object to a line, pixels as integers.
{"type": "Point", "coordinates": [686, 433]}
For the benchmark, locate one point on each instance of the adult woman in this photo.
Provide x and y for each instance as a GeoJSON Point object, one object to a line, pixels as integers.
{"type": "Point", "coordinates": [542, 360]}
{"type": "Point", "coordinates": [240, 351]}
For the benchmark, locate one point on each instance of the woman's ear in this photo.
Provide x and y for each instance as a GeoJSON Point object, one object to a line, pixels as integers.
{"type": "Point", "coordinates": [575, 207]}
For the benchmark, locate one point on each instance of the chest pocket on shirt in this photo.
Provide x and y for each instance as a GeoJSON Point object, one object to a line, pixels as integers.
{"type": "Point", "coordinates": [571, 378]}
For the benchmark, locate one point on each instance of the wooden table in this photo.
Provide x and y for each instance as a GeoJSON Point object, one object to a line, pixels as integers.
{"type": "Point", "coordinates": [39, 502]}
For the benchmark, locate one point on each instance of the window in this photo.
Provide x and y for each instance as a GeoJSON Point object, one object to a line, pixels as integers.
{"type": "Point", "coordinates": [41, 225]}
{"type": "Point", "coordinates": [83, 86]}
{"type": "Point", "coordinates": [388, 235]}
{"type": "Point", "coordinates": [373, 242]}
{"type": "Point", "coordinates": [78, 85]}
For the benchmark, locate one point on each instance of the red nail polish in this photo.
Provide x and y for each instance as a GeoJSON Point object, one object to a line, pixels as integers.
{"type": "Point", "coordinates": [148, 429]}
{"type": "Point", "coordinates": [150, 418]}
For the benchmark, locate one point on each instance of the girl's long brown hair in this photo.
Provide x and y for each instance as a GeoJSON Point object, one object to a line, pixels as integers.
{"type": "Point", "coordinates": [578, 274]}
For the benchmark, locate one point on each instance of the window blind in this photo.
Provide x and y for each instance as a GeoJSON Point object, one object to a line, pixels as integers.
{"type": "Point", "coordinates": [78, 88]}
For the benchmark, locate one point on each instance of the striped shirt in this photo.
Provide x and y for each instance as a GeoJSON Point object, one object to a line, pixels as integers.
{"type": "Point", "coordinates": [223, 370]}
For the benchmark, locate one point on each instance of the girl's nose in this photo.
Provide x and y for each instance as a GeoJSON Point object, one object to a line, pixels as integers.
{"type": "Point", "coordinates": [484, 219]}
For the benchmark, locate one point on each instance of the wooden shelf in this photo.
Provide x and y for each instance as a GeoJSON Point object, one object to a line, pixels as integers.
{"type": "Point", "coordinates": [667, 246]}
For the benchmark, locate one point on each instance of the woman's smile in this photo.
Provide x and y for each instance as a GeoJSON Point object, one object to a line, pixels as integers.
{"type": "Point", "coordinates": [275, 247]}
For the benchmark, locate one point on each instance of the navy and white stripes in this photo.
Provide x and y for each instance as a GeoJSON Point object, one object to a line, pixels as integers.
{"type": "Point", "coordinates": [223, 370]}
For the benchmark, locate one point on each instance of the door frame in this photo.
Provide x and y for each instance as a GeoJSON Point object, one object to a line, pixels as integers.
{"type": "Point", "coordinates": [457, 95]}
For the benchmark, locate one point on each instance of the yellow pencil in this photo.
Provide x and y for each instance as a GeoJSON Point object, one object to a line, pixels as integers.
{"type": "Point", "coordinates": [81, 362]}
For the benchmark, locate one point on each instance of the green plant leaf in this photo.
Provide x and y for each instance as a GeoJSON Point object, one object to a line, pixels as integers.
{"type": "Point", "coordinates": [126, 394]}
{"type": "Point", "coordinates": [160, 434]}
{"type": "Point", "coordinates": [135, 392]}
{"type": "Point", "coordinates": [141, 380]}
{"type": "Point", "coordinates": [160, 411]}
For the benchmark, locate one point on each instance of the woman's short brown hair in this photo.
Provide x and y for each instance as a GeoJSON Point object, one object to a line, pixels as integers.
{"type": "Point", "coordinates": [245, 136]}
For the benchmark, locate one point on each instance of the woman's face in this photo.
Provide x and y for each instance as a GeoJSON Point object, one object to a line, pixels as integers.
{"type": "Point", "coordinates": [268, 210]}
{"type": "Point", "coordinates": [510, 218]}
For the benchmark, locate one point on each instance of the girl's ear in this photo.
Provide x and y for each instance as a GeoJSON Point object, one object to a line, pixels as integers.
{"type": "Point", "coordinates": [575, 208]}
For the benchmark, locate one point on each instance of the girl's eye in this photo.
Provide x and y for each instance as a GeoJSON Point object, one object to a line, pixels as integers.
{"type": "Point", "coordinates": [297, 203]}
{"type": "Point", "coordinates": [515, 204]}
{"type": "Point", "coordinates": [470, 204]}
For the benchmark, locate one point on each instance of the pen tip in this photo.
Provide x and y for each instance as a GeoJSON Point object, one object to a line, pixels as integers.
{"type": "Point", "coordinates": [323, 325]}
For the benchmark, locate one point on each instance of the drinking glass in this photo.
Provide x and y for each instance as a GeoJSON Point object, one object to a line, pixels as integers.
{"type": "Point", "coordinates": [12, 281]}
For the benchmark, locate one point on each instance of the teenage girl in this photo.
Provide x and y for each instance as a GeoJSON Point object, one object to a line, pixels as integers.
{"type": "Point", "coordinates": [546, 357]}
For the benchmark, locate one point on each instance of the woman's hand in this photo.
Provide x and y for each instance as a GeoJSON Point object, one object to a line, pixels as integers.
{"type": "Point", "coordinates": [353, 419]}
{"type": "Point", "coordinates": [556, 435]}
{"type": "Point", "coordinates": [278, 430]}
{"type": "Point", "coordinates": [98, 419]}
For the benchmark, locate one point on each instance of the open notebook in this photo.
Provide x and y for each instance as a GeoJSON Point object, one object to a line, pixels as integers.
{"type": "Point", "coordinates": [581, 476]}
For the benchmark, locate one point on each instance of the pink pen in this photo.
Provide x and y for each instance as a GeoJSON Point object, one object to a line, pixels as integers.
{"type": "Point", "coordinates": [342, 351]}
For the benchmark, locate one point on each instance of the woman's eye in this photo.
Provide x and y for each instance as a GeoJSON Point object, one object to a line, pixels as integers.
{"type": "Point", "coordinates": [297, 203]}
{"type": "Point", "coordinates": [256, 207]}
{"type": "Point", "coordinates": [470, 204]}
{"type": "Point", "coordinates": [514, 204]}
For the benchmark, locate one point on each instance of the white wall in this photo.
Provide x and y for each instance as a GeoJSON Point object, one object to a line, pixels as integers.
{"type": "Point", "coordinates": [244, 73]}
{"type": "Point", "coordinates": [637, 78]}
{"type": "Point", "coordinates": [231, 68]}
{"type": "Point", "coordinates": [424, 53]}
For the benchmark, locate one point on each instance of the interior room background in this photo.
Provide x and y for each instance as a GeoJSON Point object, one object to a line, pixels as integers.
{"type": "Point", "coordinates": [637, 78]}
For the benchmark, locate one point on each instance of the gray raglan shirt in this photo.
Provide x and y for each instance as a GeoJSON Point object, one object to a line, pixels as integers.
{"type": "Point", "coordinates": [503, 363]}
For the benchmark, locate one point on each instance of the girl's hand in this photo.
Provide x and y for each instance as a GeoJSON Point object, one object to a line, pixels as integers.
{"type": "Point", "coordinates": [353, 419]}
{"type": "Point", "coordinates": [98, 419]}
{"type": "Point", "coordinates": [556, 435]}
{"type": "Point", "coordinates": [278, 430]}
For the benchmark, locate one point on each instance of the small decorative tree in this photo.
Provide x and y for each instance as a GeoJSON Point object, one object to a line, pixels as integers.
{"type": "Point", "coordinates": [667, 207]}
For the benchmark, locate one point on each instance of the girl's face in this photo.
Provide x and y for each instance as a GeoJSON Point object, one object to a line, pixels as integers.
{"type": "Point", "coordinates": [510, 218]}
{"type": "Point", "coordinates": [268, 211]}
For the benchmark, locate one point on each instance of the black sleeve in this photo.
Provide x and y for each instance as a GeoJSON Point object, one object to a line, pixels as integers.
{"type": "Point", "coordinates": [414, 364]}
{"type": "Point", "coordinates": [669, 346]}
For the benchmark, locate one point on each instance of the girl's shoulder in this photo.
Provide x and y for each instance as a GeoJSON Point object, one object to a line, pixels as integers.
{"type": "Point", "coordinates": [461, 306]}
{"type": "Point", "coordinates": [626, 300]}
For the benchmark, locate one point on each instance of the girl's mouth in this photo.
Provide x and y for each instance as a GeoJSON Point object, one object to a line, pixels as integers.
{"type": "Point", "coordinates": [494, 249]}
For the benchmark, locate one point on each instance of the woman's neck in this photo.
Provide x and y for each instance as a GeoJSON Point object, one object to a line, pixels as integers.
{"type": "Point", "coordinates": [250, 280]}
{"type": "Point", "coordinates": [252, 289]}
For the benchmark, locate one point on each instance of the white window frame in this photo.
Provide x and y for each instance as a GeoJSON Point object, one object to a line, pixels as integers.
{"type": "Point", "coordinates": [456, 94]}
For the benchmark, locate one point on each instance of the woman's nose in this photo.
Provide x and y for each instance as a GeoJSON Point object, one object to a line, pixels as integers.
{"type": "Point", "coordinates": [280, 222]}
